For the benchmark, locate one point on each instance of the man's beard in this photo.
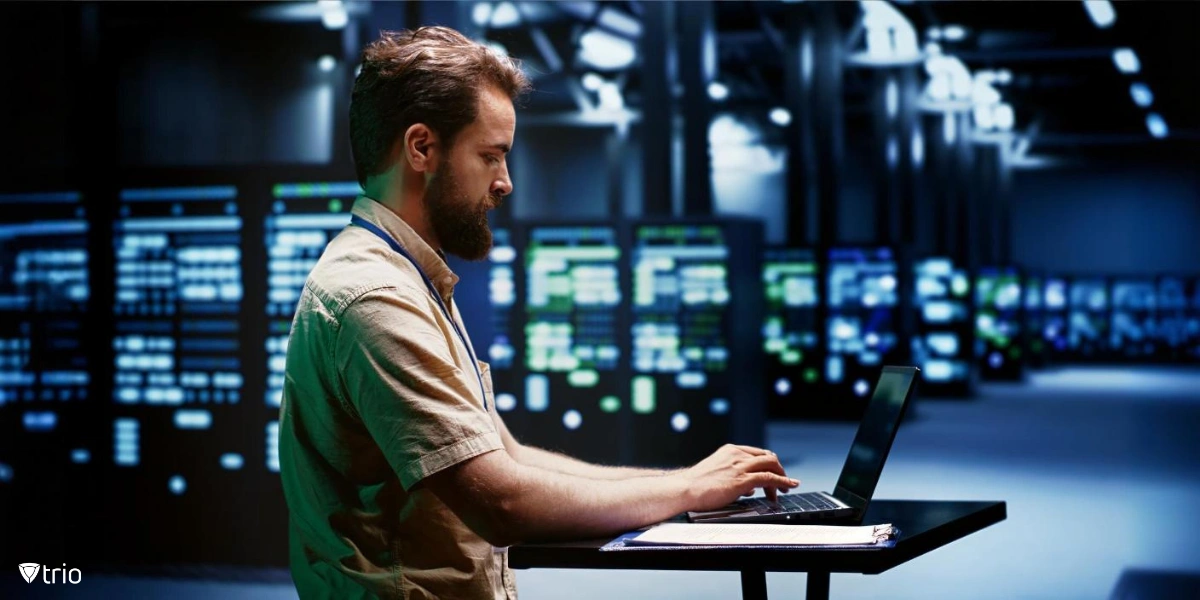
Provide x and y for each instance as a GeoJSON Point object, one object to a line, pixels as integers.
{"type": "Point", "coordinates": [460, 224]}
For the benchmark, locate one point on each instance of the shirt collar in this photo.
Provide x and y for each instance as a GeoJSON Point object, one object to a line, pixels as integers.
{"type": "Point", "coordinates": [431, 261]}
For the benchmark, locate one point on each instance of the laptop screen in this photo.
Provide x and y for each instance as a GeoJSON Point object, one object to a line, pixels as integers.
{"type": "Point", "coordinates": [876, 432]}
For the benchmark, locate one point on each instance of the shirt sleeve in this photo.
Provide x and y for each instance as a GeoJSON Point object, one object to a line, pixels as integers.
{"type": "Point", "coordinates": [421, 409]}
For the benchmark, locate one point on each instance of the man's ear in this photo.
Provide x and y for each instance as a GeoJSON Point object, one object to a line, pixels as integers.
{"type": "Point", "coordinates": [421, 148]}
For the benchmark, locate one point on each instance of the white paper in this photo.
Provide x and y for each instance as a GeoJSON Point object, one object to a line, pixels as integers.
{"type": "Point", "coordinates": [759, 534]}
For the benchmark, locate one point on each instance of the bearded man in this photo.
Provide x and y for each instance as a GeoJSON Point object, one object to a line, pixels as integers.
{"type": "Point", "coordinates": [401, 479]}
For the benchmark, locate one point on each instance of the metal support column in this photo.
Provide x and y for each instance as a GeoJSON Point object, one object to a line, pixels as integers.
{"type": "Point", "coordinates": [905, 127]}
{"type": "Point", "coordinates": [966, 247]}
{"type": "Point", "coordinates": [1004, 207]}
{"type": "Point", "coordinates": [697, 67]}
{"type": "Point", "coordinates": [828, 141]}
{"type": "Point", "coordinates": [938, 160]}
{"type": "Point", "coordinates": [799, 99]}
{"type": "Point", "coordinates": [984, 197]}
{"type": "Point", "coordinates": [885, 159]}
{"type": "Point", "coordinates": [656, 125]}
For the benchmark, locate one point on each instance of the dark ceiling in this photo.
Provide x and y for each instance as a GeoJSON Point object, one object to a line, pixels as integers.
{"type": "Point", "coordinates": [1064, 78]}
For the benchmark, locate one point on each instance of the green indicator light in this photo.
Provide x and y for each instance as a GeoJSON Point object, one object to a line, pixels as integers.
{"type": "Point", "coordinates": [643, 395]}
{"type": "Point", "coordinates": [610, 404]}
{"type": "Point", "coordinates": [790, 357]}
{"type": "Point", "coordinates": [810, 375]}
{"type": "Point", "coordinates": [277, 190]}
{"type": "Point", "coordinates": [583, 378]}
{"type": "Point", "coordinates": [335, 205]}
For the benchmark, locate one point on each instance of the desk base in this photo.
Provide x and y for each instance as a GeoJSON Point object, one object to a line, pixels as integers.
{"type": "Point", "coordinates": [754, 586]}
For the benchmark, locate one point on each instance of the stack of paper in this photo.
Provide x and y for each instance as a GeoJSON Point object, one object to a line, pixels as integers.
{"type": "Point", "coordinates": [756, 534]}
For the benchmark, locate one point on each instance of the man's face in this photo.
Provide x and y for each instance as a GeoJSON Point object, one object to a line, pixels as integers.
{"type": "Point", "coordinates": [473, 179]}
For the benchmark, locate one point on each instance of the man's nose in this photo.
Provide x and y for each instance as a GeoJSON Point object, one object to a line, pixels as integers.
{"type": "Point", "coordinates": [502, 186]}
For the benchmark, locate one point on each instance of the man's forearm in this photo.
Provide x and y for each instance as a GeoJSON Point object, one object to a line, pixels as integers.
{"type": "Point", "coordinates": [560, 506]}
{"type": "Point", "coordinates": [552, 461]}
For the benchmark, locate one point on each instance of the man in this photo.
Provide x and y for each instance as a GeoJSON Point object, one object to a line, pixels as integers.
{"type": "Point", "coordinates": [401, 480]}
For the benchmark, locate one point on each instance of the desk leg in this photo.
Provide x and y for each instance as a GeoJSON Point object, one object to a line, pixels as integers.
{"type": "Point", "coordinates": [754, 585]}
{"type": "Point", "coordinates": [818, 586]}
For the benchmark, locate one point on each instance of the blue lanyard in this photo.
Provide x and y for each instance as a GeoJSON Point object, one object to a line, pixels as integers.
{"type": "Point", "coordinates": [369, 226]}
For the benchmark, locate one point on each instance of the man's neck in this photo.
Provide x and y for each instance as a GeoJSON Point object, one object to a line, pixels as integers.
{"type": "Point", "coordinates": [407, 203]}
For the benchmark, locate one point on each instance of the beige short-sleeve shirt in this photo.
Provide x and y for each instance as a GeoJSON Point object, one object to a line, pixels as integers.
{"type": "Point", "coordinates": [379, 393]}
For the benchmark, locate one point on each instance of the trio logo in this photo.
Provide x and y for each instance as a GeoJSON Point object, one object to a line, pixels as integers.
{"type": "Point", "coordinates": [29, 571]}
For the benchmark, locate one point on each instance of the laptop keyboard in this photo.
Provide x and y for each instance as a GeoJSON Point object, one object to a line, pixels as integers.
{"type": "Point", "coordinates": [790, 503]}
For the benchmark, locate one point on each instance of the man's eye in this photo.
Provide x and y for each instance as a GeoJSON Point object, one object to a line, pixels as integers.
{"type": "Point", "coordinates": [493, 159]}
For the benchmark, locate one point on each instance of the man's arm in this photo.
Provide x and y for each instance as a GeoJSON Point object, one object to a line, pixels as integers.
{"type": "Point", "coordinates": [505, 502]}
{"type": "Point", "coordinates": [561, 463]}
{"type": "Point", "coordinates": [533, 456]}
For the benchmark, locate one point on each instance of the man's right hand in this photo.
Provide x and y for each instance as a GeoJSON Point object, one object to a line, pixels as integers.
{"type": "Point", "coordinates": [732, 472]}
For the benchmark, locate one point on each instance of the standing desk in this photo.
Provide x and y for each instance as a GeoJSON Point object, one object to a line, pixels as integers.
{"type": "Point", "coordinates": [924, 526]}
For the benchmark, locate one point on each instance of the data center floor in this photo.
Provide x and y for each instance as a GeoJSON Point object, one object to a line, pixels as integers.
{"type": "Point", "coordinates": [1098, 466]}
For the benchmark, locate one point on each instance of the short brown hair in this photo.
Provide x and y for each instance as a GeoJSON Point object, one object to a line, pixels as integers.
{"type": "Point", "coordinates": [430, 75]}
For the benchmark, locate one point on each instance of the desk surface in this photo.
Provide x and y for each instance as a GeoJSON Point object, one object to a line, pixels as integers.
{"type": "Point", "coordinates": [925, 525]}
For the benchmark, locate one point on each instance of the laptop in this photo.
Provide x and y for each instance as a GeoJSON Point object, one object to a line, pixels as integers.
{"type": "Point", "coordinates": [864, 463]}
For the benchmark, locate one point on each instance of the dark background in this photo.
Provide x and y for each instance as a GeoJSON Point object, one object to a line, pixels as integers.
{"type": "Point", "coordinates": [100, 97]}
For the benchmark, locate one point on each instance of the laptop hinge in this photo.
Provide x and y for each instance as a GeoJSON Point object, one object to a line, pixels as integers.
{"type": "Point", "coordinates": [850, 498]}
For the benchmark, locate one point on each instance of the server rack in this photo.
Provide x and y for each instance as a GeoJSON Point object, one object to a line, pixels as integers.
{"type": "Point", "coordinates": [696, 322]}
{"type": "Point", "coordinates": [1178, 303]}
{"type": "Point", "coordinates": [1055, 316]}
{"type": "Point", "coordinates": [1134, 329]}
{"type": "Point", "coordinates": [791, 331]}
{"type": "Point", "coordinates": [998, 305]}
{"type": "Point", "coordinates": [574, 350]}
{"type": "Point", "coordinates": [863, 290]}
{"type": "Point", "coordinates": [1089, 318]}
{"type": "Point", "coordinates": [941, 346]}
{"type": "Point", "coordinates": [46, 360]}
{"type": "Point", "coordinates": [1034, 326]}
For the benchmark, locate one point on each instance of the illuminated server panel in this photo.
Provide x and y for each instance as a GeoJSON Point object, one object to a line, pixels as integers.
{"type": "Point", "coordinates": [44, 291]}
{"type": "Point", "coordinates": [942, 346]}
{"type": "Point", "coordinates": [1179, 319]}
{"type": "Point", "coordinates": [1035, 321]}
{"type": "Point", "coordinates": [697, 364]}
{"type": "Point", "coordinates": [998, 301]}
{"type": "Point", "coordinates": [1134, 323]}
{"type": "Point", "coordinates": [791, 333]}
{"type": "Point", "coordinates": [573, 346]}
{"type": "Point", "coordinates": [304, 217]}
{"type": "Point", "coordinates": [1087, 328]}
{"type": "Point", "coordinates": [178, 375]}
{"type": "Point", "coordinates": [861, 326]}
{"type": "Point", "coordinates": [506, 343]}
{"type": "Point", "coordinates": [1055, 311]}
